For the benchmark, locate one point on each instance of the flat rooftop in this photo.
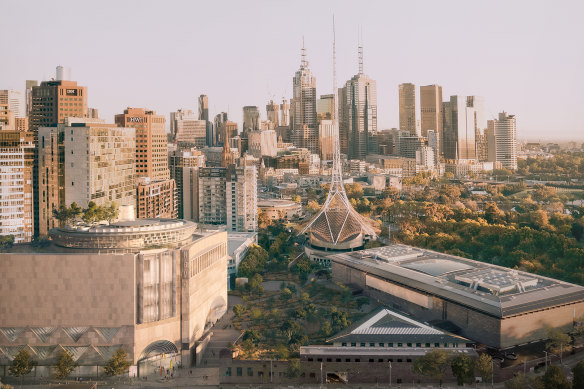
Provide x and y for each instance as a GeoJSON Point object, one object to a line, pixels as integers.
{"type": "Point", "coordinates": [495, 290]}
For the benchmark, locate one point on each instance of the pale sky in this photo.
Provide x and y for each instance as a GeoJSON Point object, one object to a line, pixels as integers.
{"type": "Point", "coordinates": [524, 57]}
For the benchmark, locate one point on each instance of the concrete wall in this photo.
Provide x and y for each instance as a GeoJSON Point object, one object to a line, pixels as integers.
{"type": "Point", "coordinates": [72, 290]}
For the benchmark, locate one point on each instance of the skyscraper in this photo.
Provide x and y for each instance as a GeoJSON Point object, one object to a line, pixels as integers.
{"type": "Point", "coordinates": [303, 125]}
{"type": "Point", "coordinates": [151, 144]}
{"type": "Point", "coordinates": [210, 136]}
{"type": "Point", "coordinates": [28, 95]}
{"type": "Point", "coordinates": [16, 189]}
{"type": "Point", "coordinates": [325, 107]}
{"type": "Point", "coordinates": [284, 113]}
{"type": "Point", "coordinates": [273, 113]}
{"type": "Point", "coordinates": [251, 119]}
{"type": "Point", "coordinates": [431, 109]}
{"type": "Point", "coordinates": [211, 191]}
{"type": "Point", "coordinates": [407, 108]}
{"type": "Point", "coordinates": [504, 130]}
{"type": "Point", "coordinates": [203, 107]}
{"type": "Point", "coordinates": [241, 199]}
{"type": "Point", "coordinates": [359, 117]}
{"type": "Point", "coordinates": [178, 161]}
{"type": "Point", "coordinates": [459, 129]}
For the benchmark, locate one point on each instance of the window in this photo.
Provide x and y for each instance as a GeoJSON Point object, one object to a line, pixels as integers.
{"type": "Point", "coordinates": [371, 360]}
{"type": "Point", "coordinates": [344, 344]}
{"type": "Point", "coordinates": [310, 359]}
{"type": "Point", "coordinates": [228, 372]}
{"type": "Point", "coordinates": [353, 344]}
{"type": "Point", "coordinates": [319, 359]}
{"type": "Point", "coordinates": [381, 344]}
{"type": "Point", "coordinates": [390, 344]}
{"type": "Point", "coordinates": [409, 345]}
{"type": "Point", "coordinates": [427, 344]}
{"type": "Point", "coordinates": [362, 344]}
{"type": "Point", "coordinates": [329, 360]}
{"type": "Point", "coordinates": [400, 345]}
{"type": "Point", "coordinates": [418, 344]}
{"type": "Point", "coordinates": [371, 344]}
{"type": "Point", "coordinates": [380, 360]}
{"type": "Point", "coordinates": [357, 360]}
{"type": "Point", "coordinates": [436, 344]}
{"type": "Point", "coordinates": [239, 371]}
{"type": "Point", "coordinates": [249, 372]}
{"type": "Point", "coordinates": [338, 360]}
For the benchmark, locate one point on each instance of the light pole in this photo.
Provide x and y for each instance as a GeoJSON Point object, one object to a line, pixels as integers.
{"type": "Point", "coordinates": [389, 373]}
{"type": "Point", "coordinates": [492, 373]}
{"type": "Point", "coordinates": [545, 352]}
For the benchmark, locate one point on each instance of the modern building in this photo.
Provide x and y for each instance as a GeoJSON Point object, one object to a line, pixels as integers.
{"type": "Point", "coordinates": [488, 304]}
{"type": "Point", "coordinates": [16, 189]}
{"type": "Point", "coordinates": [241, 196]}
{"type": "Point", "coordinates": [325, 107]}
{"type": "Point", "coordinates": [190, 193]}
{"type": "Point", "coordinates": [358, 117]}
{"type": "Point", "coordinates": [7, 121]}
{"type": "Point", "coordinates": [407, 108]}
{"type": "Point", "coordinates": [99, 164]}
{"type": "Point", "coordinates": [284, 113]}
{"type": "Point", "coordinates": [459, 129]}
{"type": "Point", "coordinates": [383, 340]}
{"type": "Point", "coordinates": [15, 100]}
{"type": "Point", "coordinates": [409, 144]}
{"type": "Point", "coordinates": [212, 198]}
{"type": "Point", "coordinates": [326, 134]}
{"type": "Point", "coordinates": [28, 95]}
{"type": "Point", "coordinates": [187, 129]}
{"type": "Point", "coordinates": [504, 132]}
{"type": "Point", "coordinates": [238, 243]}
{"type": "Point", "coordinates": [177, 161]}
{"type": "Point", "coordinates": [431, 114]}
{"type": "Point", "coordinates": [303, 122]}
{"type": "Point", "coordinates": [251, 119]}
{"type": "Point", "coordinates": [53, 101]}
{"type": "Point", "coordinates": [152, 287]}
{"type": "Point", "coordinates": [156, 199]}
{"type": "Point", "coordinates": [262, 143]}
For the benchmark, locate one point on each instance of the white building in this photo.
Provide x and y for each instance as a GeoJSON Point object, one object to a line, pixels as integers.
{"type": "Point", "coordinates": [263, 143]}
{"type": "Point", "coordinates": [187, 129]}
{"type": "Point", "coordinates": [504, 132]}
{"type": "Point", "coordinates": [15, 101]}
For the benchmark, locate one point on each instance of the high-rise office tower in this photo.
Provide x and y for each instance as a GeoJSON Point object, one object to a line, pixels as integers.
{"type": "Point", "coordinates": [52, 102]}
{"type": "Point", "coordinates": [187, 130]}
{"type": "Point", "coordinates": [251, 119]}
{"type": "Point", "coordinates": [156, 191]}
{"type": "Point", "coordinates": [459, 129]}
{"type": "Point", "coordinates": [359, 116]}
{"type": "Point", "coordinates": [203, 107]}
{"type": "Point", "coordinates": [262, 143]}
{"type": "Point", "coordinates": [325, 106]}
{"type": "Point", "coordinates": [284, 113]}
{"type": "Point", "coordinates": [407, 108]}
{"type": "Point", "coordinates": [151, 144]}
{"type": "Point", "coordinates": [189, 198]}
{"type": "Point", "coordinates": [226, 154]}
{"type": "Point", "coordinates": [431, 109]}
{"type": "Point", "coordinates": [242, 199]}
{"type": "Point", "coordinates": [178, 160]}
{"type": "Point", "coordinates": [28, 95]}
{"type": "Point", "coordinates": [15, 101]}
{"type": "Point", "coordinates": [273, 113]}
{"type": "Point", "coordinates": [16, 189]}
{"type": "Point", "coordinates": [303, 125]}
{"type": "Point", "coordinates": [212, 204]}
{"type": "Point", "coordinates": [221, 123]}
{"type": "Point", "coordinates": [504, 131]}
{"type": "Point", "coordinates": [326, 133]}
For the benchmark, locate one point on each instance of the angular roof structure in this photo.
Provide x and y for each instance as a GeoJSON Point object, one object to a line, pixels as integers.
{"type": "Point", "coordinates": [389, 326]}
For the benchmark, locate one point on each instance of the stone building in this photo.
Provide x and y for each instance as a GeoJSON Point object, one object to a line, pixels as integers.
{"type": "Point", "coordinates": [488, 304]}
{"type": "Point", "coordinates": [150, 286]}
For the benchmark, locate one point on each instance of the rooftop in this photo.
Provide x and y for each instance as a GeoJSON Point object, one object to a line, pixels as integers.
{"type": "Point", "coordinates": [494, 290]}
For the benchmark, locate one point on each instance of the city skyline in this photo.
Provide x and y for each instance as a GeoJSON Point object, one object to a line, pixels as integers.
{"type": "Point", "coordinates": [185, 57]}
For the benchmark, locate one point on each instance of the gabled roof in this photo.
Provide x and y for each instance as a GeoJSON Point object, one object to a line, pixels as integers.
{"type": "Point", "coordinates": [388, 326]}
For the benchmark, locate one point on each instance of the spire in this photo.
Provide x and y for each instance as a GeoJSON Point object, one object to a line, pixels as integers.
{"type": "Point", "coordinates": [303, 61]}
{"type": "Point", "coordinates": [360, 51]}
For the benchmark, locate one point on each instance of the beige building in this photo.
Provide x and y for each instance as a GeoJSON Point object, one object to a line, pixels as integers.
{"type": "Point", "coordinates": [431, 109]}
{"type": "Point", "coordinates": [503, 134]}
{"type": "Point", "coordinates": [53, 101]}
{"type": "Point", "coordinates": [100, 288]}
{"type": "Point", "coordinates": [211, 191]}
{"type": "Point", "coordinates": [262, 143]}
{"type": "Point", "coordinates": [6, 117]}
{"type": "Point", "coordinates": [15, 101]}
{"type": "Point", "coordinates": [326, 133]}
{"type": "Point", "coordinates": [187, 129]}
{"type": "Point", "coordinates": [151, 142]}
{"type": "Point", "coordinates": [84, 160]}
{"type": "Point", "coordinates": [277, 209]}
{"type": "Point", "coordinates": [178, 160]}
{"type": "Point", "coordinates": [273, 113]}
{"type": "Point", "coordinates": [16, 190]}
{"type": "Point", "coordinates": [407, 107]}
{"type": "Point", "coordinates": [190, 193]}
{"type": "Point", "coordinates": [241, 197]}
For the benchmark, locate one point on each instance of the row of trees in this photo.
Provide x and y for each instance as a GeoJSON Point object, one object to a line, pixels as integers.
{"type": "Point", "coordinates": [23, 363]}
{"type": "Point", "coordinates": [92, 214]}
{"type": "Point", "coordinates": [434, 364]}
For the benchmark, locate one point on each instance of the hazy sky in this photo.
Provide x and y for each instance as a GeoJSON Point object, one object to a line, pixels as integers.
{"type": "Point", "coordinates": [525, 57]}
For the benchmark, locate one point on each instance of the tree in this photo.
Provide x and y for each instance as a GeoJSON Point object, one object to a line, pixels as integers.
{"type": "Point", "coordinates": [290, 328]}
{"type": "Point", "coordinates": [263, 220]}
{"type": "Point", "coordinates": [294, 369]}
{"type": "Point", "coordinates": [286, 294]}
{"type": "Point", "coordinates": [519, 381]}
{"type": "Point", "coordinates": [117, 364]}
{"type": "Point", "coordinates": [578, 370]}
{"type": "Point", "coordinates": [557, 339]}
{"type": "Point", "coordinates": [312, 206]}
{"type": "Point", "coordinates": [65, 365]}
{"type": "Point", "coordinates": [554, 378]}
{"type": "Point", "coordinates": [238, 310]}
{"type": "Point", "coordinates": [22, 364]}
{"type": "Point", "coordinates": [255, 284]}
{"type": "Point", "coordinates": [433, 364]}
{"type": "Point", "coordinates": [463, 369]}
{"type": "Point", "coordinates": [325, 328]}
{"type": "Point", "coordinates": [6, 241]}
{"type": "Point", "coordinates": [484, 366]}
{"type": "Point", "coordinates": [253, 336]}
{"type": "Point", "coordinates": [6, 386]}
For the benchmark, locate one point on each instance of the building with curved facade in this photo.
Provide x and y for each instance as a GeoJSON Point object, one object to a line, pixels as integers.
{"type": "Point", "coordinates": [150, 286]}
